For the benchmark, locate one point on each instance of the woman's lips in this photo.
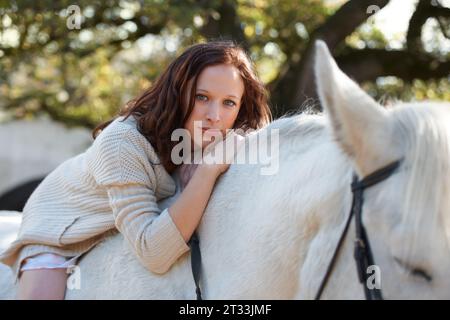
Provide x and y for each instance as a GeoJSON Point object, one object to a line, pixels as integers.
{"type": "Point", "coordinates": [210, 130]}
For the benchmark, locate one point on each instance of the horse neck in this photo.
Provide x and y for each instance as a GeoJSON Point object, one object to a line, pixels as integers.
{"type": "Point", "coordinates": [261, 228]}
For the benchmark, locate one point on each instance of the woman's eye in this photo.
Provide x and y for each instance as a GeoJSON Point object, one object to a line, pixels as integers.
{"type": "Point", "coordinates": [230, 103]}
{"type": "Point", "coordinates": [201, 97]}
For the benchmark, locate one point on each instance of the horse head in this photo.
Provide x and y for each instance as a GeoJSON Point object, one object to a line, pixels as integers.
{"type": "Point", "coordinates": [407, 216]}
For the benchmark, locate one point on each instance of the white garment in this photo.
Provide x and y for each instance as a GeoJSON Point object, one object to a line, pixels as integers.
{"type": "Point", "coordinates": [48, 261]}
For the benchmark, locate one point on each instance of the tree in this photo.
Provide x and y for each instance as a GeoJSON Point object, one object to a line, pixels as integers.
{"type": "Point", "coordinates": [82, 76]}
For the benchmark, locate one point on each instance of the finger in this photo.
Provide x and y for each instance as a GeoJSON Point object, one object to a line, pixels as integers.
{"type": "Point", "coordinates": [214, 142]}
{"type": "Point", "coordinates": [233, 145]}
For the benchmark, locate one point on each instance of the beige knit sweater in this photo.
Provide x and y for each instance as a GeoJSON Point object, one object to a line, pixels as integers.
{"type": "Point", "coordinates": [114, 185]}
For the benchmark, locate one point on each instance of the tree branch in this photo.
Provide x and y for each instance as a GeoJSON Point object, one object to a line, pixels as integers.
{"type": "Point", "coordinates": [341, 24]}
{"type": "Point", "coordinates": [444, 28]}
{"type": "Point", "coordinates": [227, 26]}
{"type": "Point", "coordinates": [297, 84]}
{"type": "Point", "coordinates": [423, 12]}
{"type": "Point", "coordinates": [369, 64]}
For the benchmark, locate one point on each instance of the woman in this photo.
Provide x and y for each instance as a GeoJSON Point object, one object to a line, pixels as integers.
{"type": "Point", "coordinates": [116, 183]}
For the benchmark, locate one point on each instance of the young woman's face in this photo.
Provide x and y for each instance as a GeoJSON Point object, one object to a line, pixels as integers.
{"type": "Point", "coordinates": [217, 102]}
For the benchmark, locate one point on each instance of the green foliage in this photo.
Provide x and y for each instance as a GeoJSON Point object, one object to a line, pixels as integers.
{"type": "Point", "coordinates": [83, 76]}
{"type": "Point", "coordinates": [392, 89]}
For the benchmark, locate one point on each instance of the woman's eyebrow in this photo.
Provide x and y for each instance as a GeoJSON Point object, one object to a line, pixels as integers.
{"type": "Point", "coordinates": [230, 95]}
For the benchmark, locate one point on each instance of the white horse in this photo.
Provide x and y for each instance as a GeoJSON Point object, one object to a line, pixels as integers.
{"type": "Point", "coordinates": [272, 236]}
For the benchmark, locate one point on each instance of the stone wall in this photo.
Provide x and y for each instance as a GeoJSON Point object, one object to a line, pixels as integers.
{"type": "Point", "coordinates": [31, 149]}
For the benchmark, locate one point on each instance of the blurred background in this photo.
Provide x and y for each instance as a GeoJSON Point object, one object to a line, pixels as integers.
{"type": "Point", "coordinates": [65, 66]}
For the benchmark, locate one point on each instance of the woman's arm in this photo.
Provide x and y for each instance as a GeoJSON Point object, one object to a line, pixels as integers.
{"type": "Point", "coordinates": [187, 211]}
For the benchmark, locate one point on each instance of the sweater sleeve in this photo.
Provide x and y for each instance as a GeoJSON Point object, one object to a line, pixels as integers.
{"type": "Point", "coordinates": [119, 157]}
{"type": "Point", "coordinates": [153, 235]}
{"type": "Point", "coordinates": [120, 163]}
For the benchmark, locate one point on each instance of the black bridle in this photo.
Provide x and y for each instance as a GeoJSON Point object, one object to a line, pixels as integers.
{"type": "Point", "coordinates": [196, 263]}
{"type": "Point", "coordinates": [363, 253]}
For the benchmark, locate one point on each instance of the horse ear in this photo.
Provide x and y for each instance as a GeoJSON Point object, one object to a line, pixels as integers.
{"type": "Point", "coordinates": [358, 122]}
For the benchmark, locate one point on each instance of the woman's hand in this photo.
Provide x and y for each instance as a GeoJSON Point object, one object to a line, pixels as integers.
{"type": "Point", "coordinates": [186, 171]}
{"type": "Point", "coordinates": [218, 156]}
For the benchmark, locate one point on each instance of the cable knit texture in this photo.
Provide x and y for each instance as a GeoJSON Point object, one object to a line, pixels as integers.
{"type": "Point", "coordinates": [114, 185]}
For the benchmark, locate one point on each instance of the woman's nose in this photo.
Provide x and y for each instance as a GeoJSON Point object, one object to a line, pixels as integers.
{"type": "Point", "coordinates": [213, 113]}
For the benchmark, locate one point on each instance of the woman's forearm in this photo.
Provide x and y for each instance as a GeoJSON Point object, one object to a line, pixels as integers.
{"type": "Point", "coordinates": [188, 209]}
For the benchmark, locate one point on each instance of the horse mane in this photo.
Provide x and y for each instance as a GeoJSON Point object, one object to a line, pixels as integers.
{"type": "Point", "coordinates": [424, 131]}
{"type": "Point", "coordinates": [306, 124]}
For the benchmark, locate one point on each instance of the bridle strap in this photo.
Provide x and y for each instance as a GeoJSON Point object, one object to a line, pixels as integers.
{"type": "Point", "coordinates": [196, 263]}
{"type": "Point", "coordinates": [333, 259]}
{"type": "Point", "coordinates": [375, 177]}
{"type": "Point", "coordinates": [363, 253]}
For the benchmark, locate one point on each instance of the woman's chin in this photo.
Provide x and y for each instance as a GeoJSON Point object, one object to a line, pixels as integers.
{"type": "Point", "coordinates": [206, 143]}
